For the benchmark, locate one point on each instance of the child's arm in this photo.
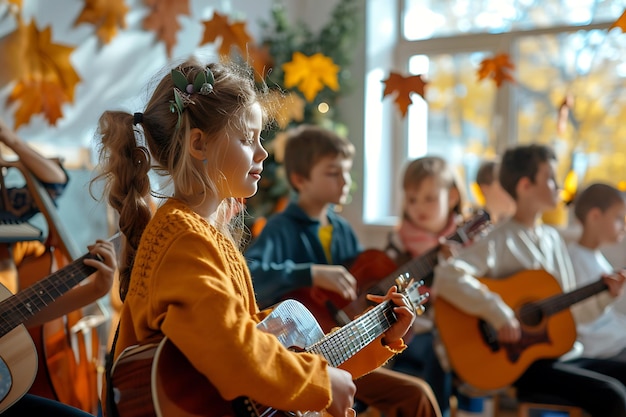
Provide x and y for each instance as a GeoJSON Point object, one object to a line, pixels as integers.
{"type": "Point", "coordinates": [93, 288]}
{"type": "Point", "coordinates": [456, 281]}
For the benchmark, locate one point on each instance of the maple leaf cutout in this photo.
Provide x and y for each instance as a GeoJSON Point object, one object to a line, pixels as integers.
{"type": "Point", "coordinates": [163, 21]}
{"type": "Point", "coordinates": [106, 15]}
{"type": "Point", "coordinates": [310, 74]}
{"type": "Point", "coordinates": [234, 34]}
{"type": "Point", "coordinates": [403, 87]}
{"type": "Point", "coordinates": [46, 80]}
{"type": "Point", "coordinates": [497, 68]}
{"type": "Point", "coordinates": [260, 59]}
{"type": "Point", "coordinates": [287, 109]}
{"type": "Point", "coordinates": [620, 23]}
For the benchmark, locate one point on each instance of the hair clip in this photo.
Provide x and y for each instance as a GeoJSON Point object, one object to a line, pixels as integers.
{"type": "Point", "coordinates": [202, 84]}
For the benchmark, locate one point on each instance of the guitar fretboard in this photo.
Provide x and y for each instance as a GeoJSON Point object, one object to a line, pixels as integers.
{"type": "Point", "coordinates": [340, 345]}
{"type": "Point", "coordinates": [18, 308]}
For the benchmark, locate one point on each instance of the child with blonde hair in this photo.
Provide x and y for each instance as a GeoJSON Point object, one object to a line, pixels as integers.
{"type": "Point", "coordinates": [432, 209]}
{"type": "Point", "coordinates": [183, 277]}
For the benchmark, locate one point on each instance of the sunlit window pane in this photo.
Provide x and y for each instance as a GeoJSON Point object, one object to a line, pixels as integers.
{"type": "Point", "coordinates": [460, 113]}
{"type": "Point", "coordinates": [424, 19]}
{"type": "Point", "coordinates": [589, 67]}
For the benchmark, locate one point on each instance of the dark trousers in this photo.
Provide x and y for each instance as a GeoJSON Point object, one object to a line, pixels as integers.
{"type": "Point", "coordinates": [420, 360]}
{"type": "Point", "coordinates": [32, 405]}
{"type": "Point", "coordinates": [396, 395]}
{"type": "Point", "coordinates": [596, 385]}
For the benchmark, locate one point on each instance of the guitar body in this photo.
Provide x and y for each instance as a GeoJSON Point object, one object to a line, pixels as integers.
{"type": "Point", "coordinates": [156, 379]}
{"type": "Point", "coordinates": [368, 268]}
{"type": "Point", "coordinates": [18, 362]}
{"type": "Point", "coordinates": [486, 364]}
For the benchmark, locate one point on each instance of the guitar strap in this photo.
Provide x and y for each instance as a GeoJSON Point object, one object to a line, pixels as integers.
{"type": "Point", "coordinates": [110, 408]}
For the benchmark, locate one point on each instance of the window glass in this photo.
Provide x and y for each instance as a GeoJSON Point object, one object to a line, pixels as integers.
{"type": "Point", "coordinates": [588, 68]}
{"type": "Point", "coordinates": [424, 19]}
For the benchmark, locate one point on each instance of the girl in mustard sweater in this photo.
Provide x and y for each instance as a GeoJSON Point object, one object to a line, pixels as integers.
{"type": "Point", "coordinates": [182, 275]}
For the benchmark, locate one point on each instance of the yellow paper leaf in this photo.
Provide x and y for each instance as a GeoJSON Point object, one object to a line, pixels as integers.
{"type": "Point", "coordinates": [234, 34]}
{"type": "Point", "coordinates": [163, 20]}
{"type": "Point", "coordinates": [290, 108]}
{"type": "Point", "coordinates": [310, 74]}
{"type": "Point", "coordinates": [46, 79]}
{"type": "Point", "coordinates": [106, 15]}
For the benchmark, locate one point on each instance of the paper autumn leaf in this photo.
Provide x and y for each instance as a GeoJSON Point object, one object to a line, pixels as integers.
{"type": "Point", "coordinates": [106, 15]}
{"type": "Point", "coordinates": [497, 68]}
{"type": "Point", "coordinates": [310, 74]}
{"type": "Point", "coordinates": [163, 20]}
{"type": "Point", "coordinates": [563, 115]}
{"type": "Point", "coordinates": [231, 34]}
{"type": "Point", "coordinates": [403, 87]}
{"type": "Point", "coordinates": [620, 23]}
{"type": "Point", "coordinates": [46, 79]}
{"type": "Point", "coordinates": [289, 108]}
{"type": "Point", "coordinates": [260, 59]}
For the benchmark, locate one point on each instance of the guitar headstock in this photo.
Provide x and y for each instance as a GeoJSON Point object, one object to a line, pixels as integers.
{"type": "Point", "coordinates": [478, 225]}
{"type": "Point", "coordinates": [412, 293]}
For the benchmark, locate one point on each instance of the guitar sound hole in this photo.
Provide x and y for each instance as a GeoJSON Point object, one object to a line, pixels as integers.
{"type": "Point", "coordinates": [531, 315]}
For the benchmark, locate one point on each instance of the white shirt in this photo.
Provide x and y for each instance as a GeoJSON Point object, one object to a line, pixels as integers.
{"type": "Point", "coordinates": [509, 248]}
{"type": "Point", "coordinates": [605, 336]}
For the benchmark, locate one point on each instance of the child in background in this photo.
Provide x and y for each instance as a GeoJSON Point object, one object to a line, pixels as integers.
{"type": "Point", "coordinates": [182, 274]}
{"type": "Point", "coordinates": [497, 202]}
{"type": "Point", "coordinates": [601, 209]}
{"type": "Point", "coordinates": [307, 244]}
{"type": "Point", "coordinates": [523, 243]}
{"type": "Point", "coordinates": [431, 210]}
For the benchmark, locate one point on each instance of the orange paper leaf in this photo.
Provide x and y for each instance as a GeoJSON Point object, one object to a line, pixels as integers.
{"type": "Point", "coordinates": [497, 68]}
{"type": "Point", "coordinates": [234, 34]}
{"type": "Point", "coordinates": [620, 23]}
{"type": "Point", "coordinates": [163, 20]}
{"type": "Point", "coordinates": [46, 80]}
{"type": "Point", "coordinates": [106, 15]}
{"type": "Point", "coordinates": [403, 87]}
{"type": "Point", "coordinates": [260, 60]}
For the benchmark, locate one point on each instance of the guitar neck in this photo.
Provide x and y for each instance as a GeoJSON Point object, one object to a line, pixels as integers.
{"type": "Point", "coordinates": [559, 302]}
{"type": "Point", "coordinates": [340, 345]}
{"type": "Point", "coordinates": [20, 307]}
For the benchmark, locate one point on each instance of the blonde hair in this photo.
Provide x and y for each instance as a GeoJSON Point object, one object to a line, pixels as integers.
{"type": "Point", "coordinates": [433, 167]}
{"type": "Point", "coordinates": [125, 165]}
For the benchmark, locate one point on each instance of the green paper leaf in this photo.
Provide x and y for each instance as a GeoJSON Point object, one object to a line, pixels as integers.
{"type": "Point", "coordinates": [180, 81]}
{"type": "Point", "coordinates": [210, 77]}
{"type": "Point", "coordinates": [179, 101]}
{"type": "Point", "coordinates": [198, 81]}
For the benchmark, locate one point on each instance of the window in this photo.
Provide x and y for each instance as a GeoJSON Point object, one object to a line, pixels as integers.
{"type": "Point", "coordinates": [560, 48]}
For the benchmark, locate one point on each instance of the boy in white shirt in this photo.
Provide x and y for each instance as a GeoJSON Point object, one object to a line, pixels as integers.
{"type": "Point", "coordinates": [601, 209]}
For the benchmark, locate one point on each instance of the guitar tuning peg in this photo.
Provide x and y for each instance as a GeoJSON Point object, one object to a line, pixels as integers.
{"type": "Point", "coordinates": [402, 281]}
{"type": "Point", "coordinates": [419, 310]}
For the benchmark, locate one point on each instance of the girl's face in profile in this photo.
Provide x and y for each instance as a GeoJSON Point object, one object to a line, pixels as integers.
{"type": "Point", "coordinates": [428, 205]}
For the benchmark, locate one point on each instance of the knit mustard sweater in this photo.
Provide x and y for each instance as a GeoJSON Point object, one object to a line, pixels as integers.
{"type": "Point", "coordinates": [190, 283]}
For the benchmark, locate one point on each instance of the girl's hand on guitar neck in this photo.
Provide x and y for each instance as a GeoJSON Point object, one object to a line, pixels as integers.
{"type": "Point", "coordinates": [405, 315]}
{"type": "Point", "coordinates": [342, 391]}
{"type": "Point", "coordinates": [335, 278]}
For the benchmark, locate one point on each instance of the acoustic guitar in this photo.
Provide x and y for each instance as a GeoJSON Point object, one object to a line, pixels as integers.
{"type": "Point", "coordinates": [156, 379]}
{"type": "Point", "coordinates": [548, 329]}
{"type": "Point", "coordinates": [18, 355]}
{"type": "Point", "coordinates": [69, 348]}
{"type": "Point", "coordinates": [375, 272]}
